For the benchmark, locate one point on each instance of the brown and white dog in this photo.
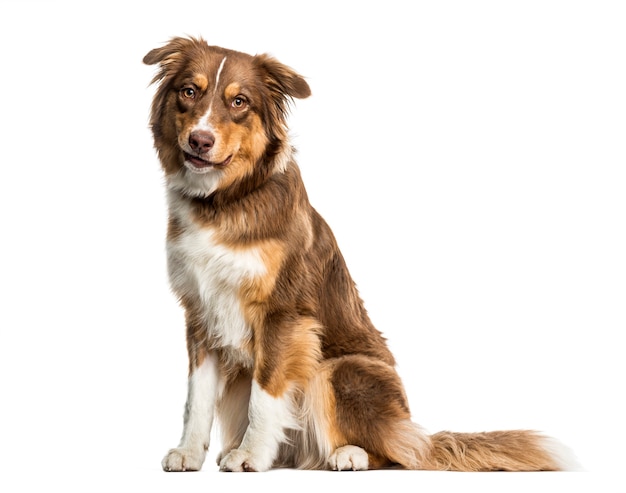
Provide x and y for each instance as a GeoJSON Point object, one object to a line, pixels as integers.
{"type": "Point", "coordinates": [280, 346]}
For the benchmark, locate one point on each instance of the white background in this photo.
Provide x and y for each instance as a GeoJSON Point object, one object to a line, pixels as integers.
{"type": "Point", "coordinates": [470, 157]}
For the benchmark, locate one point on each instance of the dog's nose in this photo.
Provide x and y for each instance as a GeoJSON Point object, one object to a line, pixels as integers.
{"type": "Point", "coordinates": [201, 141]}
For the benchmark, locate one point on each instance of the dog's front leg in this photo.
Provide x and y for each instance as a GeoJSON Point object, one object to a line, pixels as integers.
{"type": "Point", "coordinates": [199, 410]}
{"type": "Point", "coordinates": [269, 415]}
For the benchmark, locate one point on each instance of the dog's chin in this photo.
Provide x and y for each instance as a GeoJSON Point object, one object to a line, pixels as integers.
{"type": "Point", "coordinates": [195, 182]}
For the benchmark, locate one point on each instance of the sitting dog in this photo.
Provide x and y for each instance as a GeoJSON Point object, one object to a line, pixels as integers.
{"type": "Point", "coordinates": [280, 346]}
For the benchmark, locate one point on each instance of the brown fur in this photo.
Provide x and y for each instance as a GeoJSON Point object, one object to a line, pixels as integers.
{"type": "Point", "coordinates": [309, 330]}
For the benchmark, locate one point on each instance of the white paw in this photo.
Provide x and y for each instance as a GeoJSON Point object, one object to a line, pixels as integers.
{"type": "Point", "coordinates": [349, 457]}
{"type": "Point", "coordinates": [182, 459]}
{"type": "Point", "coordinates": [239, 460]}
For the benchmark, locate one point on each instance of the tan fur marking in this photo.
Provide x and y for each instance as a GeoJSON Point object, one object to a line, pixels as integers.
{"type": "Point", "coordinates": [246, 144]}
{"type": "Point", "coordinates": [334, 435]}
{"type": "Point", "coordinates": [255, 291]}
{"type": "Point", "coordinates": [233, 89]}
{"type": "Point", "coordinates": [320, 435]}
{"type": "Point", "coordinates": [201, 82]}
{"type": "Point", "coordinates": [294, 356]}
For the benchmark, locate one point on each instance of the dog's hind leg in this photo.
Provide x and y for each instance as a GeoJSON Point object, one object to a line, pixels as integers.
{"type": "Point", "coordinates": [355, 416]}
{"type": "Point", "coordinates": [373, 417]}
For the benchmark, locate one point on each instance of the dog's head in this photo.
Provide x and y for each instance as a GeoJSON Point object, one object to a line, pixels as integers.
{"type": "Point", "coordinates": [219, 116]}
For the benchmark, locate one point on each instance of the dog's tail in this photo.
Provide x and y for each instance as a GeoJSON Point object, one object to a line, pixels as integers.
{"type": "Point", "coordinates": [518, 450]}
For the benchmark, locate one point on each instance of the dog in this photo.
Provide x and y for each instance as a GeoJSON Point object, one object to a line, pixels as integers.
{"type": "Point", "coordinates": [281, 349]}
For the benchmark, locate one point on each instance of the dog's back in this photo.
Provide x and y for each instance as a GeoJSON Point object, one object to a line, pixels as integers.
{"type": "Point", "coordinates": [279, 341]}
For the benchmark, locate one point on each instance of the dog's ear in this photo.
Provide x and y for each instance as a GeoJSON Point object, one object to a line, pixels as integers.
{"type": "Point", "coordinates": [283, 84]}
{"type": "Point", "coordinates": [170, 56]}
{"type": "Point", "coordinates": [282, 79]}
{"type": "Point", "coordinates": [170, 50]}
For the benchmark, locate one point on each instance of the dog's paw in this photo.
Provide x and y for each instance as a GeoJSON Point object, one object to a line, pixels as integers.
{"type": "Point", "coordinates": [238, 460]}
{"type": "Point", "coordinates": [183, 459]}
{"type": "Point", "coordinates": [349, 457]}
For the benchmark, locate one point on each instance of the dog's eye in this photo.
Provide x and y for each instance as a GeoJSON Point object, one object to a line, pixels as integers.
{"type": "Point", "coordinates": [188, 93]}
{"type": "Point", "coordinates": [239, 102]}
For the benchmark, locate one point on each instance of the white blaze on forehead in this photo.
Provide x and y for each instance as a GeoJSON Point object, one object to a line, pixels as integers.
{"type": "Point", "coordinates": [219, 71]}
{"type": "Point", "coordinates": [204, 121]}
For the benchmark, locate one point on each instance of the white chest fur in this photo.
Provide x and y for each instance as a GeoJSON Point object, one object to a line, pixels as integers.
{"type": "Point", "coordinates": [210, 274]}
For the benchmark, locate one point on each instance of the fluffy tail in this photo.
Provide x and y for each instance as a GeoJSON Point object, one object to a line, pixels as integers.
{"type": "Point", "coordinates": [497, 451]}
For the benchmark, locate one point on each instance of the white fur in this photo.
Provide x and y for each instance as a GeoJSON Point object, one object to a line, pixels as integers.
{"type": "Point", "coordinates": [284, 158]}
{"type": "Point", "coordinates": [269, 417]}
{"type": "Point", "coordinates": [203, 389]}
{"type": "Point", "coordinates": [196, 184]}
{"type": "Point", "coordinates": [211, 274]}
{"type": "Point", "coordinates": [349, 457]}
{"type": "Point", "coordinates": [562, 455]}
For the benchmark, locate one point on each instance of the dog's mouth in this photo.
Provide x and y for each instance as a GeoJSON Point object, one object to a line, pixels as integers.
{"type": "Point", "coordinates": [199, 165]}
